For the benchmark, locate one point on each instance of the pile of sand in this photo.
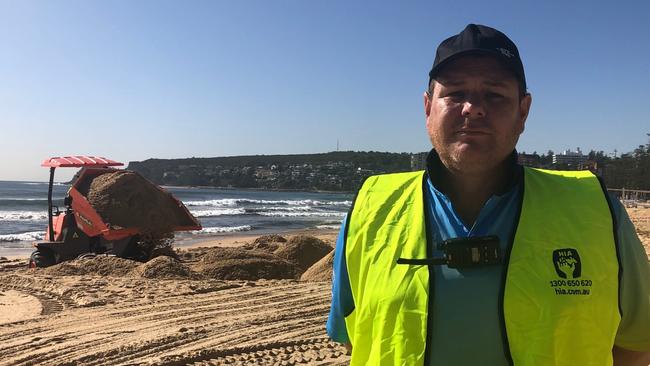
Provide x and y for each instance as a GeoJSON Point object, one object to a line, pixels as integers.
{"type": "Point", "coordinates": [268, 243]}
{"type": "Point", "coordinates": [303, 250]}
{"type": "Point", "coordinates": [126, 199]}
{"type": "Point", "coordinates": [102, 265]}
{"type": "Point", "coordinates": [289, 261]}
{"type": "Point", "coordinates": [244, 264]}
{"type": "Point", "coordinates": [163, 267]}
{"type": "Point", "coordinates": [321, 271]}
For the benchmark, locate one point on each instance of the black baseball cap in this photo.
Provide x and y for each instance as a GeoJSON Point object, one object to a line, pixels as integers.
{"type": "Point", "coordinates": [479, 39]}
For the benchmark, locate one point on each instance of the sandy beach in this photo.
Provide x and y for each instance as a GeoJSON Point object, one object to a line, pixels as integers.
{"type": "Point", "coordinates": [131, 317]}
{"type": "Point", "coordinates": [111, 313]}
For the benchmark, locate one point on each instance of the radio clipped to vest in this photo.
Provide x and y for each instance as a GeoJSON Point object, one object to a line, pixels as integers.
{"type": "Point", "coordinates": [464, 253]}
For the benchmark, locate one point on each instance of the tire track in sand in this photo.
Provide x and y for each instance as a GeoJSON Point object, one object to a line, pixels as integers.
{"type": "Point", "coordinates": [147, 314]}
{"type": "Point", "coordinates": [153, 323]}
{"type": "Point", "coordinates": [312, 351]}
{"type": "Point", "coordinates": [177, 326]}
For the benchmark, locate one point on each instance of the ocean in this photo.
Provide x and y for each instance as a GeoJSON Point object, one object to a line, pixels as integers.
{"type": "Point", "coordinates": [23, 211]}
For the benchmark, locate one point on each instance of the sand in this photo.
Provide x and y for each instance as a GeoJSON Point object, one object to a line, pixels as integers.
{"type": "Point", "coordinates": [321, 270]}
{"type": "Point", "coordinates": [641, 219]}
{"type": "Point", "coordinates": [163, 312]}
{"type": "Point", "coordinates": [18, 306]}
{"type": "Point", "coordinates": [303, 251]}
{"type": "Point", "coordinates": [168, 312]}
{"type": "Point", "coordinates": [242, 264]}
{"type": "Point", "coordinates": [267, 243]}
{"type": "Point", "coordinates": [126, 199]}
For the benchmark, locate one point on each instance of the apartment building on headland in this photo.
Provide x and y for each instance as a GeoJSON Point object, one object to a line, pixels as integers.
{"type": "Point", "coordinates": [570, 158]}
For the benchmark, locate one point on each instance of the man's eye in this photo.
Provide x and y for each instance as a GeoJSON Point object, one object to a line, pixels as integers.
{"type": "Point", "coordinates": [455, 96]}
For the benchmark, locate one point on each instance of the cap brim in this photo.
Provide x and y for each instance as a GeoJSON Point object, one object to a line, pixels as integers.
{"type": "Point", "coordinates": [476, 51]}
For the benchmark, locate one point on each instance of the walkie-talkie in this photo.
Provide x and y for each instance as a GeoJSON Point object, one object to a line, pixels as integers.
{"type": "Point", "coordinates": [468, 252]}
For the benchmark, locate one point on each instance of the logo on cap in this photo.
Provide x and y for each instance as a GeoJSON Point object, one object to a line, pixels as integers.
{"type": "Point", "coordinates": [506, 52]}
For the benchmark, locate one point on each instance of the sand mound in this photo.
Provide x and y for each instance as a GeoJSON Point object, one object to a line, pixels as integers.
{"type": "Point", "coordinates": [243, 264]}
{"type": "Point", "coordinates": [126, 199]}
{"type": "Point", "coordinates": [163, 267]}
{"type": "Point", "coordinates": [102, 265]}
{"type": "Point", "coordinates": [267, 243]}
{"type": "Point", "coordinates": [321, 270]}
{"type": "Point", "coordinates": [303, 250]}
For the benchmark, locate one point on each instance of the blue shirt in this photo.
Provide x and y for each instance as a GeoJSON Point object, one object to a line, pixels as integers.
{"type": "Point", "coordinates": [465, 314]}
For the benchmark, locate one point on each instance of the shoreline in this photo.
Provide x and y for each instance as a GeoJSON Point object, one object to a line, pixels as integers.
{"type": "Point", "coordinates": [239, 239]}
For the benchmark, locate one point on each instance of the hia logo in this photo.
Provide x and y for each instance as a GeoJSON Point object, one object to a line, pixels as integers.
{"type": "Point", "coordinates": [567, 263]}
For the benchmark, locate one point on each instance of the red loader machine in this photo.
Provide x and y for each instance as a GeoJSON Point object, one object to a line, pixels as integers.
{"type": "Point", "coordinates": [79, 229]}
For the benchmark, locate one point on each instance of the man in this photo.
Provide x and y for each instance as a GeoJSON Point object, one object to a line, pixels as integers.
{"type": "Point", "coordinates": [477, 260]}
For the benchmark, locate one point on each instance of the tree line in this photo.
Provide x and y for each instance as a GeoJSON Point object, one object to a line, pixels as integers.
{"type": "Point", "coordinates": [629, 170]}
{"type": "Point", "coordinates": [344, 170]}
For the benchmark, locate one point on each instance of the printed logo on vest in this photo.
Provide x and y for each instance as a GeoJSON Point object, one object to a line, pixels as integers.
{"type": "Point", "coordinates": [567, 263]}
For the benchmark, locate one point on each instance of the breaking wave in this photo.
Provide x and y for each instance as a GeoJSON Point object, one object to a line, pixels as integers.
{"type": "Point", "coordinates": [23, 215]}
{"type": "Point", "coordinates": [328, 227]}
{"type": "Point", "coordinates": [231, 202]}
{"type": "Point", "coordinates": [17, 199]}
{"type": "Point", "coordinates": [223, 229]}
{"type": "Point", "coordinates": [266, 211]}
{"type": "Point", "coordinates": [218, 212]}
{"type": "Point", "coordinates": [284, 209]}
{"type": "Point", "coordinates": [302, 214]}
{"type": "Point", "coordinates": [30, 236]}
{"type": "Point", "coordinates": [43, 183]}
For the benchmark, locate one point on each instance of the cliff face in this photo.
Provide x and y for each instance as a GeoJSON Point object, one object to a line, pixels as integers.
{"type": "Point", "coordinates": [334, 171]}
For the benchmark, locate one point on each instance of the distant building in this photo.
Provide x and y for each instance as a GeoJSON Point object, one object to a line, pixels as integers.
{"type": "Point", "coordinates": [419, 161]}
{"type": "Point", "coordinates": [571, 158]}
{"type": "Point", "coordinates": [528, 160]}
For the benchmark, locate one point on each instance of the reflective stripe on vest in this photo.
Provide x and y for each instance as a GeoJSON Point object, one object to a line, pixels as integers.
{"type": "Point", "coordinates": [560, 301]}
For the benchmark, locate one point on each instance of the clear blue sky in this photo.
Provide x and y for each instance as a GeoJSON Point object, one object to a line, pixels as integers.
{"type": "Point", "coordinates": [132, 80]}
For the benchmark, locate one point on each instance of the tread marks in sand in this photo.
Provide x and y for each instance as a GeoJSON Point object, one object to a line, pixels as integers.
{"type": "Point", "coordinates": [233, 315]}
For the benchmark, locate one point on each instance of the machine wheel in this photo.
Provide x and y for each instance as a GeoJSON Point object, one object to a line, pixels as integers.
{"type": "Point", "coordinates": [41, 258]}
{"type": "Point", "coordinates": [134, 250]}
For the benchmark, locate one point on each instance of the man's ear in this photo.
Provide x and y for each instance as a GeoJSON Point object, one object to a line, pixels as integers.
{"type": "Point", "coordinates": [524, 108]}
{"type": "Point", "coordinates": [427, 103]}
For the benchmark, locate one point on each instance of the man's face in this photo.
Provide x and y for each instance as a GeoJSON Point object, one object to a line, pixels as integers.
{"type": "Point", "coordinates": [475, 114]}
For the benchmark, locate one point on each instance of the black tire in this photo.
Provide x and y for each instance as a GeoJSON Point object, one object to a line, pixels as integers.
{"type": "Point", "coordinates": [135, 251]}
{"type": "Point", "coordinates": [41, 258]}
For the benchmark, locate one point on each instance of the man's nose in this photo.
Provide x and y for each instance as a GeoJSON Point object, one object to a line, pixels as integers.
{"type": "Point", "coordinates": [473, 107]}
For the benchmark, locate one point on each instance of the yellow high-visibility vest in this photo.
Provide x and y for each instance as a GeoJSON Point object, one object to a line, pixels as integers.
{"type": "Point", "coordinates": [560, 303]}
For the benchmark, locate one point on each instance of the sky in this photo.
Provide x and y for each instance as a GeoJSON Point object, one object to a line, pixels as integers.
{"type": "Point", "coordinates": [133, 80]}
